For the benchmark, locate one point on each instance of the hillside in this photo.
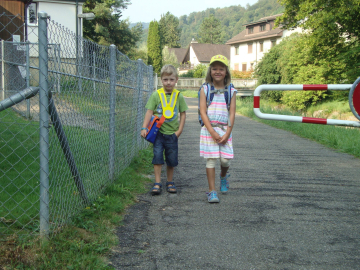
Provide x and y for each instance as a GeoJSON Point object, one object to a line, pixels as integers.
{"type": "Point", "coordinates": [232, 19]}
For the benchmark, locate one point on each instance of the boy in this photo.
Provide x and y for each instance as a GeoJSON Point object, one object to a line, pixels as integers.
{"type": "Point", "coordinates": [171, 129]}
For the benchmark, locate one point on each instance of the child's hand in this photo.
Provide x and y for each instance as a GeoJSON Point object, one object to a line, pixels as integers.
{"type": "Point", "coordinates": [224, 138]}
{"type": "Point", "coordinates": [143, 133]}
{"type": "Point", "coordinates": [216, 137]}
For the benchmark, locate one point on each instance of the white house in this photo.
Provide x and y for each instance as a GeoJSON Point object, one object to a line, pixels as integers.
{"type": "Point", "coordinates": [248, 47]}
{"type": "Point", "coordinates": [198, 53]}
{"type": "Point", "coordinates": [63, 12]}
{"type": "Point", "coordinates": [68, 13]}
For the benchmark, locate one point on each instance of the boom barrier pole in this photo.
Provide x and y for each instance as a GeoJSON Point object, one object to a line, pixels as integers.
{"type": "Point", "coordinates": [300, 87]}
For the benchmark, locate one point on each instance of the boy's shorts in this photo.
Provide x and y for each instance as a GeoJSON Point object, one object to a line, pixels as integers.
{"type": "Point", "coordinates": [169, 143]}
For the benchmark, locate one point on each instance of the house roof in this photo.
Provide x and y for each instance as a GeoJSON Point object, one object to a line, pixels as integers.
{"type": "Point", "coordinates": [243, 37]}
{"type": "Point", "coordinates": [204, 52]}
{"type": "Point", "coordinates": [179, 52]}
{"type": "Point", "coordinates": [265, 19]}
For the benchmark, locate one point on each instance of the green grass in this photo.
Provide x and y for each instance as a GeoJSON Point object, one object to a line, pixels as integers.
{"type": "Point", "coordinates": [86, 241]}
{"type": "Point", "coordinates": [20, 171]}
{"type": "Point", "coordinates": [189, 93]}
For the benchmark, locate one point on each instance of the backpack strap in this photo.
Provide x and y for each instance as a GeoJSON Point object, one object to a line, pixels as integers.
{"type": "Point", "coordinates": [228, 100]}
{"type": "Point", "coordinates": [228, 95]}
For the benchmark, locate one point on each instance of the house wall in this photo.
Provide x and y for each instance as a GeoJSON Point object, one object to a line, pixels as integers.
{"type": "Point", "coordinates": [251, 59]}
{"type": "Point", "coordinates": [193, 59]}
{"type": "Point", "coordinates": [63, 13]}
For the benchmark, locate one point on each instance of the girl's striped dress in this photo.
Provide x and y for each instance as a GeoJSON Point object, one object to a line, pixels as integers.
{"type": "Point", "coordinates": [218, 114]}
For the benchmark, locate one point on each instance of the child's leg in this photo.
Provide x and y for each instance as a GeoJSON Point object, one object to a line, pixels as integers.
{"type": "Point", "coordinates": [171, 157]}
{"type": "Point", "coordinates": [157, 161]}
{"type": "Point", "coordinates": [210, 173]}
{"type": "Point", "coordinates": [224, 166]}
{"type": "Point", "coordinates": [224, 183]}
{"type": "Point", "coordinates": [169, 173]}
{"type": "Point", "coordinates": [224, 171]}
{"type": "Point", "coordinates": [157, 172]}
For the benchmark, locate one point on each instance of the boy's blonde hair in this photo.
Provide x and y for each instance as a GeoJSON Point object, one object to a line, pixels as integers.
{"type": "Point", "coordinates": [227, 79]}
{"type": "Point", "coordinates": [168, 70]}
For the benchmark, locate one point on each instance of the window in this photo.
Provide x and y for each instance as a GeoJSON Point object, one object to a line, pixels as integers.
{"type": "Point", "coordinates": [261, 46]}
{"type": "Point", "coordinates": [251, 30]}
{"type": "Point", "coordinates": [262, 27]}
{"type": "Point", "coordinates": [273, 42]}
{"type": "Point", "coordinates": [243, 67]}
{"type": "Point", "coordinates": [32, 14]}
{"type": "Point", "coordinates": [236, 66]}
{"type": "Point", "coordinates": [237, 50]}
{"type": "Point", "coordinates": [251, 66]}
{"type": "Point", "coordinates": [250, 47]}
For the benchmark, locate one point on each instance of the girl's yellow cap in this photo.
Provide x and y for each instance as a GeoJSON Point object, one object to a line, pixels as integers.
{"type": "Point", "coordinates": [219, 58]}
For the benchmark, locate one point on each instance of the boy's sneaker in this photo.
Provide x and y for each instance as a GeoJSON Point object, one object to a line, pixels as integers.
{"type": "Point", "coordinates": [224, 183]}
{"type": "Point", "coordinates": [212, 197]}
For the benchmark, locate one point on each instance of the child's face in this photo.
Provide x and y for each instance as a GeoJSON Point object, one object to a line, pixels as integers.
{"type": "Point", "coordinates": [218, 72]}
{"type": "Point", "coordinates": [169, 82]}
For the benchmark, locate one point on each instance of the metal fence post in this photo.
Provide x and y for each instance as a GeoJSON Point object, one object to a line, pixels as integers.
{"type": "Point", "coordinates": [27, 78]}
{"type": "Point", "coordinates": [2, 71]}
{"type": "Point", "coordinates": [112, 72]}
{"type": "Point", "coordinates": [94, 73]}
{"type": "Point", "coordinates": [140, 109]}
{"type": "Point", "coordinates": [44, 126]}
{"type": "Point", "coordinates": [155, 78]}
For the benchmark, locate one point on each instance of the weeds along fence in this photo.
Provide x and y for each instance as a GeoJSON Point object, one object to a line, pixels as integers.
{"type": "Point", "coordinates": [70, 118]}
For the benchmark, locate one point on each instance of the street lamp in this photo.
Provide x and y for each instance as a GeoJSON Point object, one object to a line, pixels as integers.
{"type": "Point", "coordinates": [87, 16]}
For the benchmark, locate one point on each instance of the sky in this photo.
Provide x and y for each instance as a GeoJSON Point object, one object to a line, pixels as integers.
{"type": "Point", "coordinates": [149, 10]}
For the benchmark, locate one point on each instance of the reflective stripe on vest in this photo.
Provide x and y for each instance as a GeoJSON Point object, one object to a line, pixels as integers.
{"type": "Point", "coordinates": [168, 108]}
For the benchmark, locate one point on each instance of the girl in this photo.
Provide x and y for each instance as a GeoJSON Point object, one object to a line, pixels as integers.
{"type": "Point", "coordinates": [215, 136]}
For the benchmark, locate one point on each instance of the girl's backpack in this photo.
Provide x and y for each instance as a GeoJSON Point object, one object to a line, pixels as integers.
{"type": "Point", "coordinates": [210, 97]}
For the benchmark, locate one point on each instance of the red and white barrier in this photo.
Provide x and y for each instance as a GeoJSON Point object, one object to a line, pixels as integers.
{"type": "Point", "coordinates": [300, 87]}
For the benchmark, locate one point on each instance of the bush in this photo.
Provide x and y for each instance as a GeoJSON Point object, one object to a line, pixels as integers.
{"type": "Point", "coordinates": [300, 100]}
{"type": "Point", "coordinates": [189, 74]}
{"type": "Point", "coordinates": [236, 74]}
{"type": "Point", "coordinates": [198, 72]}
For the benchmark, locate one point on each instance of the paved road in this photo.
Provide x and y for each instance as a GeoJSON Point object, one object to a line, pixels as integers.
{"type": "Point", "coordinates": [293, 204]}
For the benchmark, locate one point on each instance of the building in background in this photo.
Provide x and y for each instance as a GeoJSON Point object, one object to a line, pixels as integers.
{"type": "Point", "coordinates": [248, 47]}
{"type": "Point", "coordinates": [201, 53]}
{"type": "Point", "coordinates": [68, 13]}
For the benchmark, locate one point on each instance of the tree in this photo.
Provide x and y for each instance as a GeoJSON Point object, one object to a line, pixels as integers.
{"type": "Point", "coordinates": [334, 27]}
{"type": "Point", "coordinates": [107, 28]}
{"type": "Point", "coordinates": [200, 71]}
{"type": "Point", "coordinates": [169, 57]}
{"type": "Point", "coordinates": [169, 31]}
{"type": "Point", "coordinates": [210, 30]}
{"type": "Point", "coordinates": [154, 47]}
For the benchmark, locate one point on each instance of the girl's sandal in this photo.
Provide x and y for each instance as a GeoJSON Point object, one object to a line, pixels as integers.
{"type": "Point", "coordinates": [156, 190]}
{"type": "Point", "coordinates": [170, 187]}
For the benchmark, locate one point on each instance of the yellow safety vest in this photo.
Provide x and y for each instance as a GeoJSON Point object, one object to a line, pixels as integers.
{"type": "Point", "coordinates": [168, 108]}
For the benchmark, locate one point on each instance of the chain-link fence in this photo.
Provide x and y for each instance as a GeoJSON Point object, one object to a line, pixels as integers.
{"type": "Point", "coordinates": [70, 118]}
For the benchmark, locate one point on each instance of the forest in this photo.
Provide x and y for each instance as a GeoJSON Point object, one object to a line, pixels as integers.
{"type": "Point", "coordinates": [232, 20]}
